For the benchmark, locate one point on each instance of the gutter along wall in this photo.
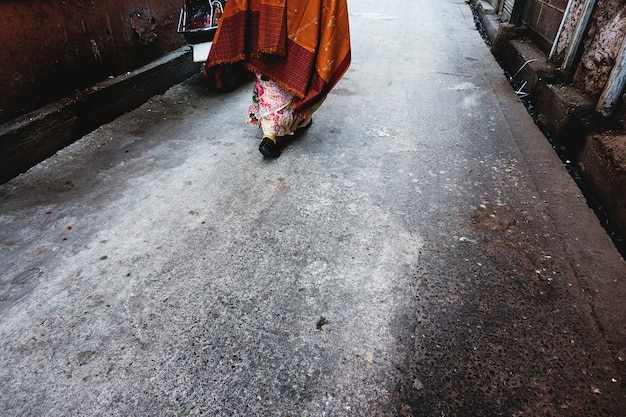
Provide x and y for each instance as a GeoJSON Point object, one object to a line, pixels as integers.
{"type": "Point", "coordinates": [575, 84]}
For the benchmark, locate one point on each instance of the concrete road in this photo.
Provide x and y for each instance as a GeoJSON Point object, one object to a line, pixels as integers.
{"type": "Point", "coordinates": [419, 251]}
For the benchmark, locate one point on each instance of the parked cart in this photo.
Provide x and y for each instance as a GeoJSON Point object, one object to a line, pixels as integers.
{"type": "Point", "coordinates": [198, 23]}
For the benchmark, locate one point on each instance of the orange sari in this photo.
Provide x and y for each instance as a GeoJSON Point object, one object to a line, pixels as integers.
{"type": "Point", "coordinates": [302, 45]}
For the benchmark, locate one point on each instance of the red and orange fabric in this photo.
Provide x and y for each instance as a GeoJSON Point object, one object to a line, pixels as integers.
{"type": "Point", "coordinates": [303, 45]}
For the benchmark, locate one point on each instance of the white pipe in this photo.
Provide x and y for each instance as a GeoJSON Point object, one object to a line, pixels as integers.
{"type": "Point", "coordinates": [579, 35]}
{"type": "Point", "coordinates": [522, 67]}
{"type": "Point", "coordinates": [568, 9]}
{"type": "Point", "coordinates": [615, 86]}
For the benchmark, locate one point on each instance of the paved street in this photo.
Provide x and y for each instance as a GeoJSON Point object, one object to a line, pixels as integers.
{"type": "Point", "coordinates": [419, 251]}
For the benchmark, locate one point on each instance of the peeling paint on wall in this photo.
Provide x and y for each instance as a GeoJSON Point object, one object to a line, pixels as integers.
{"type": "Point", "coordinates": [96, 51]}
{"type": "Point", "coordinates": [143, 24]}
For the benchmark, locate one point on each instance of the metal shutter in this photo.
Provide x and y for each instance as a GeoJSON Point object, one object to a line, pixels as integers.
{"type": "Point", "coordinates": [506, 8]}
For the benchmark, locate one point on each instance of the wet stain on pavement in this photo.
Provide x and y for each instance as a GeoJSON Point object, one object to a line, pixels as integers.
{"type": "Point", "coordinates": [508, 346]}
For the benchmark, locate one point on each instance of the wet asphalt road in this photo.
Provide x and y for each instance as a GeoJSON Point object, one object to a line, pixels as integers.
{"type": "Point", "coordinates": [419, 251]}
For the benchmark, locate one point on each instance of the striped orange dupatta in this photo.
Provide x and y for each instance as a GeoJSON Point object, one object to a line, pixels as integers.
{"type": "Point", "coordinates": [303, 45]}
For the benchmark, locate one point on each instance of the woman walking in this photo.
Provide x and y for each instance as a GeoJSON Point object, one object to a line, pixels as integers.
{"type": "Point", "coordinates": [298, 50]}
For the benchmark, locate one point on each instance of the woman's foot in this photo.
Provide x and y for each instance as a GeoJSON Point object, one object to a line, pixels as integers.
{"type": "Point", "coordinates": [269, 148]}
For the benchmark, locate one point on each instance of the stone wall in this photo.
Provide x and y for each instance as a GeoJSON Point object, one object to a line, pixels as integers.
{"type": "Point", "coordinates": [601, 45]}
{"type": "Point", "coordinates": [51, 48]}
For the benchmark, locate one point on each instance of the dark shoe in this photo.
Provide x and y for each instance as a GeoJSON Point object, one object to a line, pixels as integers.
{"type": "Point", "coordinates": [269, 148]}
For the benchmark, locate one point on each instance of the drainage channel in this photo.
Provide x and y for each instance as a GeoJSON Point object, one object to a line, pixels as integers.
{"type": "Point", "coordinates": [592, 200]}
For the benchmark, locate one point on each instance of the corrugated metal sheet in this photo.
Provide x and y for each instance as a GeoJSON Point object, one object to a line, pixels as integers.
{"type": "Point", "coordinates": [506, 8]}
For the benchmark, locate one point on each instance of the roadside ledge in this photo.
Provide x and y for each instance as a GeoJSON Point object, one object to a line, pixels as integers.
{"type": "Point", "coordinates": [30, 139]}
{"type": "Point", "coordinates": [593, 143]}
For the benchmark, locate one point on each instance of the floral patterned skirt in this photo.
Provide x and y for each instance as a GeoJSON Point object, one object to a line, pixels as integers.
{"type": "Point", "coordinates": [272, 110]}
